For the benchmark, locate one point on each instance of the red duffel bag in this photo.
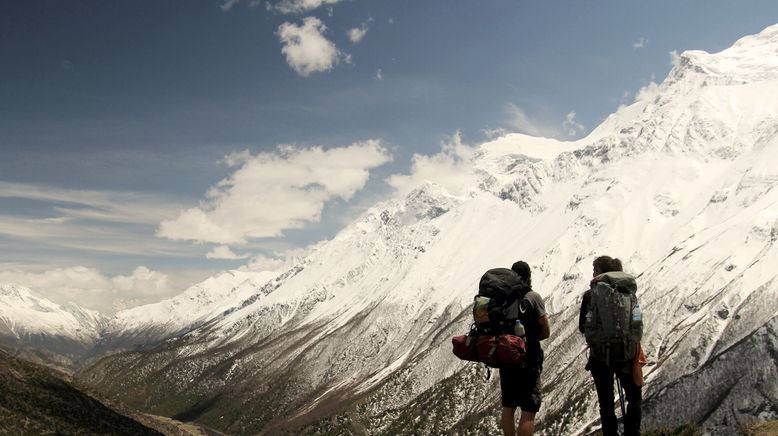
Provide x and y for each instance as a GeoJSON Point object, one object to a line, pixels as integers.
{"type": "Point", "coordinates": [494, 351]}
{"type": "Point", "coordinates": [464, 347]}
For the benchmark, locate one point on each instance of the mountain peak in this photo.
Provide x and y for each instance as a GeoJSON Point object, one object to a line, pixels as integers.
{"type": "Point", "coordinates": [14, 291]}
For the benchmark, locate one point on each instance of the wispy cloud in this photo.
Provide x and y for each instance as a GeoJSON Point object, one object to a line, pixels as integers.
{"type": "Point", "coordinates": [103, 221]}
{"type": "Point", "coordinates": [224, 252]}
{"type": "Point", "coordinates": [112, 206]}
{"type": "Point", "coordinates": [520, 120]}
{"type": "Point", "coordinates": [536, 126]}
{"type": "Point", "coordinates": [306, 48]}
{"type": "Point", "coordinates": [640, 43]}
{"type": "Point", "coordinates": [105, 238]}
{"type": "Point", "coordinates": [571, 125]}
{"type": "Point", "coordinates": [299, 6]}
{"type": "Point", "coordinates": [228, 4]}
{"type": "Point", "coordinates": [379, 74]}
{"type": "Point", "coordinates": [272, 192]}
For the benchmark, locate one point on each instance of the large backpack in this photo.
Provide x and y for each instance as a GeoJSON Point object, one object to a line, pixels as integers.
{"type": "Point", "coordinates": [614, 323]}
{"type": "Point", "coordinates": [495, 309]}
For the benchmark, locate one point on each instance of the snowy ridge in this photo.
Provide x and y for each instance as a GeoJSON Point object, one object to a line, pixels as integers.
{"type": "Point", "coordinates": [23, 314]}
{"type": "Point", "coordinates": [194, 306]}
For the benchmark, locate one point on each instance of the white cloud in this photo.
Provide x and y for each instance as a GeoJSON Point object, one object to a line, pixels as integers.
{"type": "Point", "coordinates": [306, 49]}
{"type": "Point", "coordinates": [640, 43]}
{"type": "Point", "coordinates": [356, 34]}
{"type": "Point", "coordinates": [224, 252]}
{"type": "Point", "coordinates": [451, 169]}
{"type": "Point", "coordinates": [299, 6]}
{"type": "Point", "coordinates": [90, 288]}
{"type": "Point", "coordinates": [379, 75]}
{"type": "Point", "coordinates": [571, 126]}
{"type": "Point", "coordinates": [272, 192]}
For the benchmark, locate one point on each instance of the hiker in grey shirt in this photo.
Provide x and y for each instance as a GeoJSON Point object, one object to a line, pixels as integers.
{"type": "Point", "coordinates": [520, 386]}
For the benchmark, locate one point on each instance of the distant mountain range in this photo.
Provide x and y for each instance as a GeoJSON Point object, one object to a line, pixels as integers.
{"type": "Point", "coordinates": [356, 337]}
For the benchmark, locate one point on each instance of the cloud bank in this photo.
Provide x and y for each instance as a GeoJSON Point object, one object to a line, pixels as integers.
{"type": "Point", "coordinates": [276, 191]}
{"type": "Point", "coordinates": [89, 288]}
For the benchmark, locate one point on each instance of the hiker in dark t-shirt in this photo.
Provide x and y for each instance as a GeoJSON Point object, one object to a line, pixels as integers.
{"type": "Point", "coordinates": [603, 373]}
{"type": "Point", "coordinates": [520, 386]}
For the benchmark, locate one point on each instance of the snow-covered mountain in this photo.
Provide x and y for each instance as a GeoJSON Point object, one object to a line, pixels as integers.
{"type": "Point", "coordinates": [356, 338]}
{"type": "Point", "coordinates": [67, 335]}
{"type": "Point", "coordinates": [41, 330]}
{"type": "Point", "coordinates": [151, 323]}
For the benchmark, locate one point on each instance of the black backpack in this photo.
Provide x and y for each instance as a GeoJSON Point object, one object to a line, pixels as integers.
{"type": "Point", "coordinates": [495, 309]}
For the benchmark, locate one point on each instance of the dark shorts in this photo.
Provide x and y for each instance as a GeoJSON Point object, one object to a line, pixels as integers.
{"type": "Point", "coordinates": [520, 387]}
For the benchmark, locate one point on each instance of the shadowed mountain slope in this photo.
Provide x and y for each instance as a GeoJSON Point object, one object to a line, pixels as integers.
{"type": "Point", "coordinates": [37, 400]}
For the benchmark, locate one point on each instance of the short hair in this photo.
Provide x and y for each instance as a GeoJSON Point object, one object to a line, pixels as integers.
{"type": "Point", "coordinates": [606, 264]}
{"type": "Point", "coordinates": [522, 269]}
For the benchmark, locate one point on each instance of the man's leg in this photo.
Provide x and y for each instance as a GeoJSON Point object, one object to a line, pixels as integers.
{"type": "Point", "coordinates": [526, 424]}
{"type": "Point", "coordinates": [634, 397]}
{"type": "Point", "coordinates": [603, 381]}
{"type": "Point", "coordinates": [508, 421]}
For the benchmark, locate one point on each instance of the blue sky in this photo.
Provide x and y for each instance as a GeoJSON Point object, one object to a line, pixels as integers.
{"type": "Point", "coordinates": [140, 139]}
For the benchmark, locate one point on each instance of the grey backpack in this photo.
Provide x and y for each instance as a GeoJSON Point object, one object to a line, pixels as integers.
{"type": "Point", "coordinates": [614, 322]}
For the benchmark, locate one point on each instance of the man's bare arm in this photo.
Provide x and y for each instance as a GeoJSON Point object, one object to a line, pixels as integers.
{"type": "Point", "coordinates": [545, 327]}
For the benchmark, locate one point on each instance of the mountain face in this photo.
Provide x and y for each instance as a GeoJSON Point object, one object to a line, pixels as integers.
{"type": "Point", "coordinates": [356, 337]}
{"type": "Point", "coordinates": [43, 331]}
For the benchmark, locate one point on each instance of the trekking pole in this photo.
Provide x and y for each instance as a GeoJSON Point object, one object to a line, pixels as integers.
{"type": "Point", "coordinates": [621, 396]}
